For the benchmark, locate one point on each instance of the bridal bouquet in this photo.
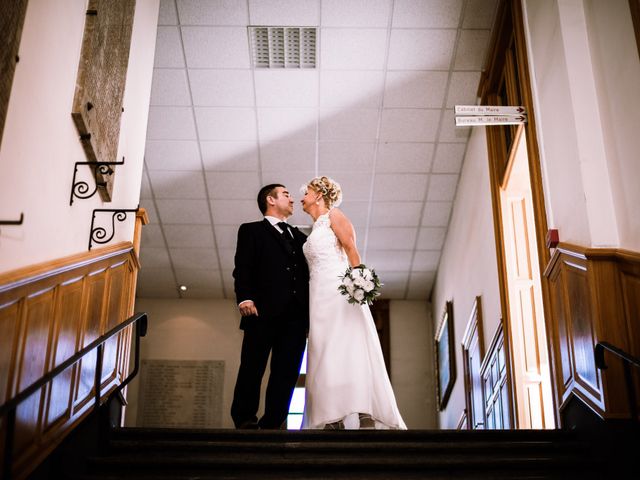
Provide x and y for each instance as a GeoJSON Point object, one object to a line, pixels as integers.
{"type": "Point", "coordinates": [360, 284]}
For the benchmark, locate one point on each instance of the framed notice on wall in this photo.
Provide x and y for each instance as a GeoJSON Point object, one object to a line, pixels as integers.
{"type": "Point", "coordinates": [445, 357]}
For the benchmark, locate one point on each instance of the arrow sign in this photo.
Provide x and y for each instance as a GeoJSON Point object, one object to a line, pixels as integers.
{"type": "Point", "coordinates": [490, 120]}
{"type": "Point", "coordinates": [464, 110]}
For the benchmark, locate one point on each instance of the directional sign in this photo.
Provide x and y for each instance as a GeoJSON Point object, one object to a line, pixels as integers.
{"type": "Point", "coordinates": [462, 110]}
{"type": "Point", "coordinates": [490, 120]}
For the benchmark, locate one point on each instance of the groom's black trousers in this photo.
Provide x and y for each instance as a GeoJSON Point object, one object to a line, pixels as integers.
{"type": "Point", "coordinates": [285, 338]}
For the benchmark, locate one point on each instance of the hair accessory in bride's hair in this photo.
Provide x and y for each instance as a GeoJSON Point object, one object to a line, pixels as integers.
{"type": "Point", "coordinates": [360, 284]}
{"type": "Point", "coordinates": [328, 188]}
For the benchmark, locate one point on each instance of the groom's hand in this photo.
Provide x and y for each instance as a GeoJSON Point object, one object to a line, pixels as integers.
{"type": "Point", "coordinates": [248, 308]}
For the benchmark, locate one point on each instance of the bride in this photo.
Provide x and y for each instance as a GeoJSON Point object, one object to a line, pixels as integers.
{"type": "Point", "coordinates": [347, 384]}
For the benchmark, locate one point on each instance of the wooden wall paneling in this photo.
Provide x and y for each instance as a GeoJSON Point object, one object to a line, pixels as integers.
{"type": "Point", "coordinates": [9, 327]}
{"type": "Point", "coordinates": [34, 348]}
{"type": "Point", "coordinates": [630, 281]}
{"type": "Point", "coordinates": [64, 344]}
{"type": "Point", "coordinates": [561, 349]}
{"type": "Point", "coordinates": [47, 313]}
{"type": "Point", "coordinates": [90, 330]}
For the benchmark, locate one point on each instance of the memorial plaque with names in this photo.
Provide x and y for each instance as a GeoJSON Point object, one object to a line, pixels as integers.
{"type": "Point", "coordinates": [181, 393]}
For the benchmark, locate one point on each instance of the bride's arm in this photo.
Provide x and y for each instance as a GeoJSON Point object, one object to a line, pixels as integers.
{"type": "Point", "coordinates": [346, 234]}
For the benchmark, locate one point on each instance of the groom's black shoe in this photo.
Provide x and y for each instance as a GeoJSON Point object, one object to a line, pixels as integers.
{"type": "Point", "coordinates": [249, 425]}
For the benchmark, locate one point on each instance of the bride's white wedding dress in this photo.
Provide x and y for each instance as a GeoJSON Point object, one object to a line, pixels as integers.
{"type": "Point", "coordinates": [346, 375]}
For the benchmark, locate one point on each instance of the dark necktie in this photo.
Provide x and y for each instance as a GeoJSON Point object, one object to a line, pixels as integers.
{"type": "Point", "coordinates": [284, 226]}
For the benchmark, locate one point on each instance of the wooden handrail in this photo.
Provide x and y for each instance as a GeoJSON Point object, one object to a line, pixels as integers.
{"type": "Point", "coordinates": [8, 409]}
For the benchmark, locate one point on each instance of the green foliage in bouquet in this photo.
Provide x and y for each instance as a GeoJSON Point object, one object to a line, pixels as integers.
{"type": "Point", "coordinates": [360, 285]}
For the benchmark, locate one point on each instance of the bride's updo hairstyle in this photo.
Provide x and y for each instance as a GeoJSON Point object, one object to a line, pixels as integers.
{"type": "Point", "coordinates": [329, 189]}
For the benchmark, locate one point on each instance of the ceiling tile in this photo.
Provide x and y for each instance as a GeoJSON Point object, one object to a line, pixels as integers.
{"type": "Point", "coordinates": [206, 292]}
{"type": "Point", "coordinates": [150, 208]}
{"type": "Point", "coordinates": [292, 179]}
{"type": "Point", "coordinates": [145, 187]}
{"type": "Point", "coordinates": [229, 156]}
{"type": "Point", "coordinates": [448, 130]}
{"type": "Point", "coordinates": [168, 14]}
{"type": "Point", "coordinates": [348, 125]}
{"type": "Point", "coordinates": [353, 49]}
{"type": "Point", "coordinates": [234, 212]}
{"type": "Point", "coordinates": [415, 89]}
{"type": "Point", "coordinates": [442, 187]}
{"type": "Point", "coordinates": [400, 187]}
{"type": "Point", "coordinates": [284, 12]}
{"type": "Point", "coordinates": [226, 236]}
{"type": "Point", "coordinates": [409, 125]}
{"type": "Point", "coordinates": [354, 185]}
{"type": "Point", "coordinates": [227, 258]}
{"type": "Point", "coordinates": [169, 87]}
{"type": "Point", "coordinates": [380, 260]}
{"type": "Point", "coordinates": [286, 88]}
{"type": "Point", "coordinates": [202, 47]}
{"type": "Point", "coordinates": [426, 13]}
{"type": "Point", "coordinates": [189, 235]}
{"type": "Point", "coordinates": [281, 156]}
{"type": "Point", "coordinates": [212, 12]}
{"type": "Point", "coordinates": [394, 284]}
{"type": "Point", "coordinates": [356, 212]}
{"type": "Point", "coordinates": [479, 14]}
{"type": "Point", "coordinates": [395, 214]}
{"type": "Point", "coordinates": [221, 88]}
{"type": "Point", "coordinates": [404, 157]}
{"type": "Point", "coordinates": [472, 46]}
{"type": "Point", "coordinates": [169, 52]}
{"type": "Point", "coordinates": [167, 184]}
{"type": "Point", "coordinates": [156, 278]}
{"type": "Point", "coordinates": [431, 238]}
{"type": "Point", "coordinates": [436, 214]}
{"type": "Point", "coordinates": [194, 258]}
{"type": "Point", "coordinates": [420, 285]}
{"type": "Point", "coordinates": [172, 155]}
{"type": "Point", "coordinates": [463, 88]}
{"type": "Point", "coordinates": [449, 157]}
{"type": "Point", "coordinates": [152, 236]}
{"type": "Point", "coordinates": [232, 185]}
{"type": "Point", "coordinates": [426, 261]}
{"type": "Point", "coordinates": [355, 13]}
{"type": "Point", "coordinates": [287, 124]}
{"type": "Point", "coordinates": [142, 291]}
{"type": "Point", "coordinates": [171, 123]}
{"type": "Point", "coordinates": [346, 156]}
{"type": "Point", "coordinates": [198, 278]}
{"type": "Point", "coordinates": [184, 211]}
{"type": "Point", "coordinates": [226, 123]}
{"type": "Point", "coordinates": [421, 49]}
{"type": "Point", "coordinates": [353, 89]}
{"type": "Point", "coordinates": [154, 257]}
{"type": "Point", "coordinates": [391, 238]}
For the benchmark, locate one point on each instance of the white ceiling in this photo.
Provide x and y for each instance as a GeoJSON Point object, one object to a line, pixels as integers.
{"type": "Point", "coordinates": [376, 115]}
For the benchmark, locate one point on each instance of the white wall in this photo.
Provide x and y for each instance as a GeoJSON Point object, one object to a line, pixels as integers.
{"type": "Point", "coordinates": [468, 265]}
{"type": "Point", "coordinates": [411, 344]}
{"type": "Point", "coordinates": [40, 143]}
{"type": "Point", "coordinates": [208, 330]}
{"type": "Point", "coordinates": [585, 70]}
{"type": "Point", "coordinates": [617, 72]}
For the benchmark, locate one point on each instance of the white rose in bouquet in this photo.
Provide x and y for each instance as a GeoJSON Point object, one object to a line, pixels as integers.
{"type": "Point", "coordinates": [359, 295]}
{"type": "Point", "coordinates": [360, 285]}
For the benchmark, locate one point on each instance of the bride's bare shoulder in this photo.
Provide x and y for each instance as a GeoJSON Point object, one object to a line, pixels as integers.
{"type": "Point", "coordinates": [336, 214]}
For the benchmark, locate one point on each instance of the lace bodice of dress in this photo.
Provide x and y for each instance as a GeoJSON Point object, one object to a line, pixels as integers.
{"type": "Point", "coordinates": [322, 248]}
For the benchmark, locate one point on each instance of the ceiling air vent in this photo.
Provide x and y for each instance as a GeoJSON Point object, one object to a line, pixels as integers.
{"type": "Point", "coordinates": [283, 47]}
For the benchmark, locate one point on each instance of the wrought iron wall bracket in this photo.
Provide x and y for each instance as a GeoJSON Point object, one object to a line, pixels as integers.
{"type": "Point", "coordinates": [80, 189]}
{"type": "Point", "coordinates": [100, 235]}
{"type": "Point", "coordinates": [13, 222]}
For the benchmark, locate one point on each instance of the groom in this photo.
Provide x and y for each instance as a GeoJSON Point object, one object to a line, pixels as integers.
{"type": "Point", "coordinates": [272, 290]}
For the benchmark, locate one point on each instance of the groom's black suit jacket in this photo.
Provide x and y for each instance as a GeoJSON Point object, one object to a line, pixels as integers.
{"type": "Point", "coordinates": [271, 271]}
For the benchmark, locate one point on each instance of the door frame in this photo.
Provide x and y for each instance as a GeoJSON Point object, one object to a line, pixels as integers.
{"type": "Point", "coordinates": [507, 77]}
